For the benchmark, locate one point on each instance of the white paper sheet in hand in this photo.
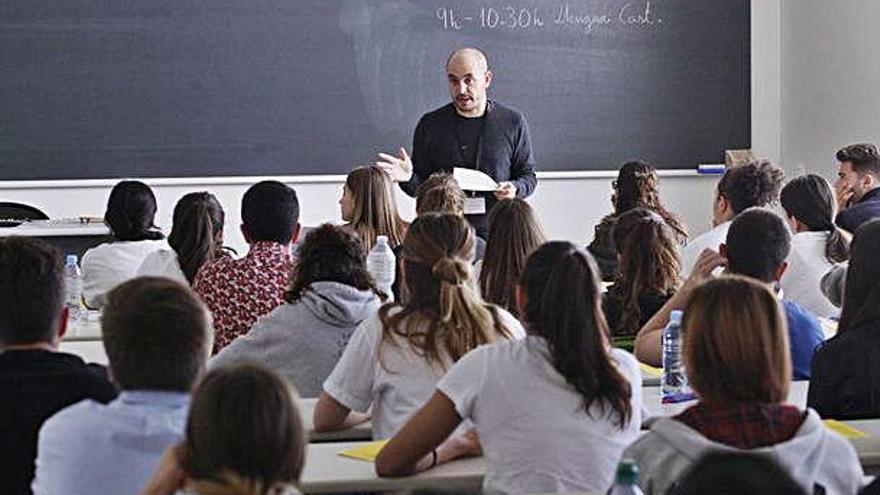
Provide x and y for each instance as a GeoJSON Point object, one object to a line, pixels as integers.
{"type": "Point", "coordinates": [473, 180]}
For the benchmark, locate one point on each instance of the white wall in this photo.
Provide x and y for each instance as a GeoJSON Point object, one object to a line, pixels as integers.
{"type": "Point", "coordinates": [568, 207]}
{"type": "Point", "coordinates": [831, 76]}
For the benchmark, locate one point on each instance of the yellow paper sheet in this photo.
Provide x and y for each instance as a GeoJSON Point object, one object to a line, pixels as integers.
{"type": "Point", "coordinates": [650, 370]}
{"type": "Point", "coordinates": [844, 429]}
{"type": "Point", "coordinates": [367, 452]}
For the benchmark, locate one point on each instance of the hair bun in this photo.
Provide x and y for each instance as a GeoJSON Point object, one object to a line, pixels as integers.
{"type": "Point", "coordinates": [451, 270]}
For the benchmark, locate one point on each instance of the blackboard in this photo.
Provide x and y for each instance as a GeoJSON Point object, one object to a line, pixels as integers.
{"type": "Point", "coordinates": [202, 88]}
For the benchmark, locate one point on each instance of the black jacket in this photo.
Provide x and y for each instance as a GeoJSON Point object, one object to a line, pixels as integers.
{"type": "Point", "coordinates": [505, 152]}
{"type": "Point", "coordinates": [845, 375]}
{"type": "Point", "coordinates": [868, 208]}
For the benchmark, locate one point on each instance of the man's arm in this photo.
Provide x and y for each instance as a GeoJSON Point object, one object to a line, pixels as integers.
{"type": "Point", "coordinates": [522, 164]}
{"type": "Point", "coordinates": [421, 162]}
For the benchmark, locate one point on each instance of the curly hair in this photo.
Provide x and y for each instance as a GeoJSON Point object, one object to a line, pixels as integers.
{"type": "Point", "coordinates": [330, 254]}
{"type": "Point", "coordinates": [637, 185]}
{"type": "Point", "coordinates": [649, 261]}
{"type": "Point", "coordinates": [753, 184]}
{"type": "Point", "coordinates": [440, 193]}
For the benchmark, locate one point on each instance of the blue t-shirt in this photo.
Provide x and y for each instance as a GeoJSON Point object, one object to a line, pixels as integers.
{"type": "Point", "coordinates": [804, 336]}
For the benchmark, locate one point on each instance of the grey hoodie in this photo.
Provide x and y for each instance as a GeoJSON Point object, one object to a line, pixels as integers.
{"type": "Point", "coordinates": [814, 456]}
{"type": "Point", "coordinates": [302, 341]}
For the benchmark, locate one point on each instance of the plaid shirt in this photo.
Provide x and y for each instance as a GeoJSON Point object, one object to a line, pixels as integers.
{"type": "Point", "coordinates": [744, 426]}
{"type": "Point", "coordinates": [238, 292]}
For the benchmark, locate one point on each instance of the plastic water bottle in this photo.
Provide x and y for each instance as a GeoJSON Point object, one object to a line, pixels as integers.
{"type": "Point", "coordinates": [382, 264]}
{"type": "Point", "coordinates": [625, 479]}
{"type": "Point", "coordinates": [674, 381]}
{"type": "Point", "coordinates": [74, 283]}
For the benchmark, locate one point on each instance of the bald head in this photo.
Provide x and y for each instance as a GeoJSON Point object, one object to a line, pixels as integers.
{"type": "Point", "coordinates": [468, 56]}
{"type": "Point", "coordinates": [469, 77]}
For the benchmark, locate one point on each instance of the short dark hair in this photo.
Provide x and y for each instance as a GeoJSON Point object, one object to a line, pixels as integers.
{"type": "Point", "coordinates": [729, 473]}
{"type": "Point", "coordinates": [864, 157]}
{"type": "Point", "coordinates": [270, 210]}
{"type": "Point", "coordinates": [757, 243]}
{"type": "Point", "coordinates": [156, 333]}
{"type": "Point", "coordinates": [330, 254]}
{"type": "Point", "coordinates": [131, 210]}
{"type": "Point", "coordinates": [753, 184]}
{"type": "Point", "coordinates": [244, 423]}
{"type": "Point", "coordinates": [31, 290]}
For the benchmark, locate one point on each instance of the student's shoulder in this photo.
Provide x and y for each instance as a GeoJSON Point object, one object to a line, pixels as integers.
{"type": "Point", "coordinates": [509, 322]}
{"type": "Point", "coordinates": [74, 420]}
{"type": "Point", "coordinates": [798, 315]}
{"type": "Point", "coordinates": [626, 361]}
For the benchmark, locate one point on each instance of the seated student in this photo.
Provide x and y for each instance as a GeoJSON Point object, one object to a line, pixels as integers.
{"type": "Point", "coordinates": [816, 244]}
{"type": "Point", "coordinates": [648, 271]}
{"type": "Point", "coordinates": [741, 187]}
{"type": "Point", "coordinates": [157, 336]}
{"type": "Point", "coordinates": [844, 382]}
{"type": "Point", "coordinates": [330, 295]}
{"type": "Point", "coordinates": [636, 186]}
{"type": "Point", "coordinates": [263, 454]}
{"type": "Point", "coordinates": [553, 412]}
{"type": "Point", "coordinates": [833, 282]}
{"type": "Point", "coordinates": [735, 473]}
{"type": "Point", "coordinates": [238, 292]}
{"type": "Point", "coordinates": [196, 238]}
{"type": "Point", "coordinates": [514, 233]}
{"type": "Point", "coordinates": [369, 207]}
{"type": "Point", "coordinates": [736, 362]}
{"type": "Point", "coordinates": [858, 186]}
{"type": "Point", "coordinates": [758, 243]}
{"type": "Point", "coordinates": [131, 211]}
{"type": "Point", "coordinates": [395, 358]}
{"type": "Point", "coordinates": [440, 193]}
{"type": "Point", "coordinates": [36, 380]}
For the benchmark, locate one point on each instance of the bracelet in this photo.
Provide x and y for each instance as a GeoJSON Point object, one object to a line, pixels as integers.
{"type": "Point", "coordinates": [433, 459]}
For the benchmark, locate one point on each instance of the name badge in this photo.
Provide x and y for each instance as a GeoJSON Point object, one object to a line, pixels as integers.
{"type": "Point", "coordinates": [475, 206]}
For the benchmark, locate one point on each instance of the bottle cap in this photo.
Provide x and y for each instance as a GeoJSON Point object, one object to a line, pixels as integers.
{"type": "Point", "coordinates": [627, 472]}
{"type": "Point", "coordinates": [72, 259]}
{"type": "Point", "coordinates": [381, 239]}
{"type": "Point", "coordinates": [675, 316]}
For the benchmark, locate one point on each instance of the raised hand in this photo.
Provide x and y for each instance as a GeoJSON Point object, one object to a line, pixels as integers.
{"type": "Point", "coordinates": [399, 168]}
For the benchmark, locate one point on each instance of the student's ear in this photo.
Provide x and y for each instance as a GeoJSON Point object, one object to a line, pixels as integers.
{"type": "Point", "coordinates": [246, 232]}
{"type": "Point", "coordinates": [522, 300]}
{"type": "Point", "coordinates": [62, 324]}
{"type": "Point", "coordinates": [296, 232]}
{"type": "Point", "coordinates": [780, 270]}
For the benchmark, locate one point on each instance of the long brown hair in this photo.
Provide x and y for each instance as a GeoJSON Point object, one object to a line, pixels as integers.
{"type": "Point", "coordinates": [736, 342]}
{"type": "Point", "coordinates": [862, 291]}
{"type": "Point", "coordinates": [440, 315]}
{"type": "Point", "coordinates": [638, 185]}
{"type": "Point", "coordinates": [514, 232]}
{"type": "Point", "coordinates": [375, 207]}
{"type": "Point", "coordinates": [648, 261]}
{"type": "Point", "coordinates": [244, 434]}
{"type": "Point", "coordinates": [810, 200]}
{"type": "Point", "coordinates": [195, 232]}
{"type": "Point", "coordinates": [563, 306]}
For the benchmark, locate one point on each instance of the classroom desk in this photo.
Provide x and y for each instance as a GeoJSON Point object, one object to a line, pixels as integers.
{"type": "Point", "coordinates": [328, 472]}
{"type": "Point", "coordinates": [867, 448]}
{"type": "Point", "coordinates": [363, 431]}
{"type": "Point", "coordinates": [653, 409]}
{"type": "Point", "coordinates": [70, 236]}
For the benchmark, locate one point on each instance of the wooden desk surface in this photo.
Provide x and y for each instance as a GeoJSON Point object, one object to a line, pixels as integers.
{"type": "Point", "coordinates": [328, 472]}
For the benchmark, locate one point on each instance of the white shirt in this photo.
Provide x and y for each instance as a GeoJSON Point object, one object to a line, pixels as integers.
{"type": "Point", "coordinates": [109, 264]}
{"type": "Point", "coordinates": [707, 240]}
{"type": "Point", "coordinates": [163, 263]}
{"type": "Point", "coordinates": [398, 385]}
{"type": "Point", "coordinates": [535, 434]}
{"type": "Point", "coordinates": [806, 266]}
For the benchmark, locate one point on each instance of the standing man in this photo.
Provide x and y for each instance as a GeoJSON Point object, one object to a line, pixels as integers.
{"type": "Point", "coordinates": [857, 186]}
{"type": "Point", "coordinates": [471, 132]}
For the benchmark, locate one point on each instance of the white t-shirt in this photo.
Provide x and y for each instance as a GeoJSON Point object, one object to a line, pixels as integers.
{"type": "Point", "coordinates": [163, 263]}
{"type": "Point", "coordinates": [397, 386]}
{"type": "Point", "coordinates": [535, 434]}
{"type": "Point", "coordinates": [807, 263]}
{"type": "Point", "coordinates": [107, 265]}
{"type": "Point", "coordinates": [707, 240]}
